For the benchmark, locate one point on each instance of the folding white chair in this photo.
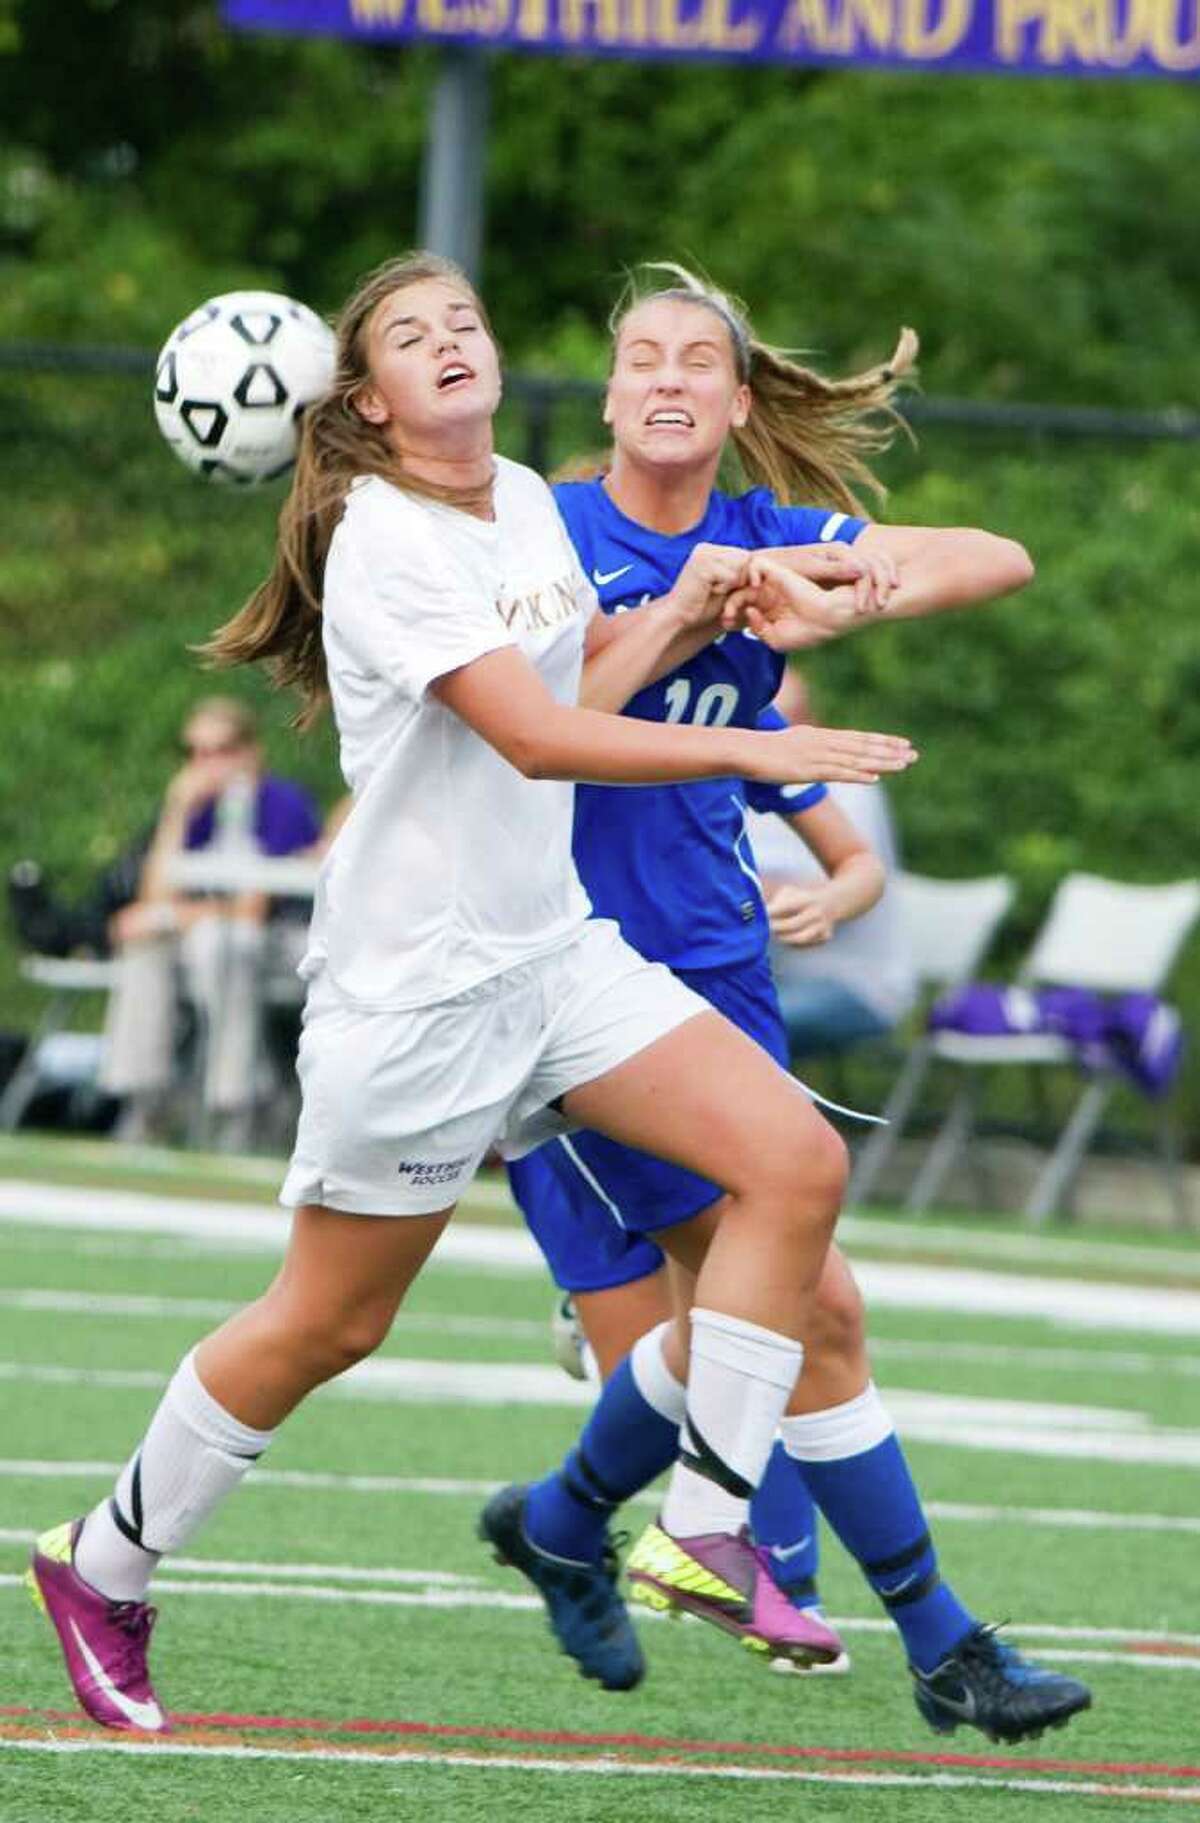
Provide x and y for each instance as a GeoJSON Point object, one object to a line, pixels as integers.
{"type": "Point", "coordinates": [1099, 934]}
{"type": "Point", "coordinates": [950, 925]}
{"type": "Point", "coordinates": [65, 978]}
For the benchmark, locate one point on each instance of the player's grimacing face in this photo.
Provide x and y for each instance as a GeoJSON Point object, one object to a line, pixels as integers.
{"type": "Point", "coordinates": [433, 366]}
{"type": "Point", "coordinates": [674, 393]}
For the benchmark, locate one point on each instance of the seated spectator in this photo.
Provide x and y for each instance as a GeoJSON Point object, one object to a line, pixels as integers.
{"type": "Point", "coordinates": [838, 981]}
{"type": "Point", "coordinates": [214, 948]}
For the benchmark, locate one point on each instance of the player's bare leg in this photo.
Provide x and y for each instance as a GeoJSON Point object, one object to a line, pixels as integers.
{"type": "Point", "coordinates": [708, 1098]}
{"type": "Point", "coordinates": [331, 1304]}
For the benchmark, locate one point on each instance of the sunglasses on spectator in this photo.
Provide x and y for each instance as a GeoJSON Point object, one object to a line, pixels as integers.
{"type": "Point", "coordinates": [210, 750]}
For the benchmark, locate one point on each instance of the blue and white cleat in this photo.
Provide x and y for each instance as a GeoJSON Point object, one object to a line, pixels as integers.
{"type": "Point", "coordinates": [587, 1615]}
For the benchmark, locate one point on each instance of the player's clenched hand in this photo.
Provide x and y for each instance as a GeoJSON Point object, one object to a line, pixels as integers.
{"type": "Point", "coordinates": [789, 612]}
{"type": "Point", "coordinates": [705, 581]}
{"type": "Point", "coordinates": [798, 916]}
{"type": "Point", "coordinates": [872, 575]}
{"type": "Point", "coordinates": [832, 755]}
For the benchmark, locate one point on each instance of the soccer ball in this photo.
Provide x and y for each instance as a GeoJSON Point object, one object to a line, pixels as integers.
{"type": "Point", "coordinates": [233, 379]}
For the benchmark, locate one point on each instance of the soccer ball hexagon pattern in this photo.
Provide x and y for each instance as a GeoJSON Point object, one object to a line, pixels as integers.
{"type": "Point", "coordinates": [233, 379]}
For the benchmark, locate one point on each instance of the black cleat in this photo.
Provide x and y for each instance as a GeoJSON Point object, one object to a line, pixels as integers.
{"type": "Point", "coordinates": [986, 1684]}
{"type": "Point", "coordinates": [586, 1614]}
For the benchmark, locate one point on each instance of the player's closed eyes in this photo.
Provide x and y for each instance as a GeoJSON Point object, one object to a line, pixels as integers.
{"type": "Point", "coordinates": [412, 340]}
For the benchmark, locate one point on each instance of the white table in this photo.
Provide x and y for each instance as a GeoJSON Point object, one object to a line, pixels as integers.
{"type": "Point", "coordinates": [230, 872]}
{"type": "Point", "coordinates": [219, 870]}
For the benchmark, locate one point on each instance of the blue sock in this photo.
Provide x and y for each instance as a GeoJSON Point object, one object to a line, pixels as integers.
{"type": "Point", "coordinates": [783, 1518]}
{"type": "Point", "coordinates": [626, 1444]}
{"type": "Point", "coordinates": [868, 1497]}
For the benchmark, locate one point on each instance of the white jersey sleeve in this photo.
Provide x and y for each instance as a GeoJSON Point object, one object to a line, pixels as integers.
{"type": "Point", "coordinates": [415, 612]}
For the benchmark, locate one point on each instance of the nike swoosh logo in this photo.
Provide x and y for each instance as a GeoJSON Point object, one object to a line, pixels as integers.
{"type": "Point", "coordinates": [142, 1715]}
{"type": "Point", "coordinates": [899, 1588]}
{"type": "Point", "coordinates": [602, 577]}
{"type": "Point", "coordinates": [963, 1705]}
{"type": "Point", "coordinates": [784, 1551]}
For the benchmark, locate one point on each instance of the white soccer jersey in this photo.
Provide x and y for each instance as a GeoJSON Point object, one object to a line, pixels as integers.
{"type": "Point", "coordinates": [451, 866]}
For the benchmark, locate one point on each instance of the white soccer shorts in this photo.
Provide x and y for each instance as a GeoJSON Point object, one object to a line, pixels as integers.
{"type": "Point", "coordinates": [399, 1109]}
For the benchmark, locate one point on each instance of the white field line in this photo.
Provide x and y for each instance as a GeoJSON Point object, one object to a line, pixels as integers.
{"type": "Point", "coordinates": [1069, 1360]}
{"type": "Point", "coordinates": [979, 1354]}
{"type": "Point", "coordinates": [476, 1589]}
{"type": "Point", "coordinates": [286, 1572]}
{"type": "Point", "coordinates": [315, 1480]}
{"type": "Point", "coordinates": [448, 1487]}
{"type": "Point", "coordinates": [1083, 1519]}
{"type": "Point", "coordinates": [1015, 1427]}
{"type": "Point", "coordinates": [492, 1193]}
{"type": "Point", "coordinates": [103, 1304]}
{"type": "Point", "coordinates": [410, 1380]}
{"type": "Point", "coordinates": [613, 1768]}
{"type": "Point", "coordinates": [236, 1226]}
{"type": "Point", "coordinates": [489, 1600]}
{"type": "Point", "coordinates": [921, 1287]}
{"type": "Point", "coordinates": [1023, 1247]}
{"type": "Point", "coordinates": [1075, 1304]}
{"type": "Point", "coordinates": [37, 1374]}
{"type": "Point", "coordinates": [498, 1599]}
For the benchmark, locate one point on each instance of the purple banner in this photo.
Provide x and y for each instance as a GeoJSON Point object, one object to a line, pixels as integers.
{"type": "Point", "coordinates": [1050, 37]}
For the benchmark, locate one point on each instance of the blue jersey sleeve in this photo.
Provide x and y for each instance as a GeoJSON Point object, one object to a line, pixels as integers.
{"type": "Point", "coordinates": [780, 800]}
{"type": "Point", "coordinates": [774, 524]}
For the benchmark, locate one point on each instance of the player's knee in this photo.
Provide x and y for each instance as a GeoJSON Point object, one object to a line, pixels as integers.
{"type": "Point", "coordinates": [343, 1338]}
{"type": "Point", "coordinates": [828, 1169]}
{"type": "Point", "coordinates": [814, 1170]}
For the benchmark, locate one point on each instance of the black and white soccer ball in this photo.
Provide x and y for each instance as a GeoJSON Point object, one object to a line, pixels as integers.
{"type": "Point", "coordinates": [233, 379]}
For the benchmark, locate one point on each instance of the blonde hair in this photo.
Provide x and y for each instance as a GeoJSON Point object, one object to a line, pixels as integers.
{"type": "Point", "coordinates": [280, 625]}
{"type": "Point", "coordinates": [237, 716]}
{"type": "Point", "coordinates": [806, 438]}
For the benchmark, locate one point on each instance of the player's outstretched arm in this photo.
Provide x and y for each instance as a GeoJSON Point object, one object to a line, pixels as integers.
{"type": "Point", "coordinates": [914, 571]}
{"type": "Point", "coordinates": [942, 567]}
{"type": "Point", "coordinates": [627, 651]}
{"type": "Point", "coordinates": [504, 700]}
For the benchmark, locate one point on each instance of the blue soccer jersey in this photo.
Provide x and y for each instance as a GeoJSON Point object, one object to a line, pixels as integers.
{"type": "Point", "coordinates": [672, 863]}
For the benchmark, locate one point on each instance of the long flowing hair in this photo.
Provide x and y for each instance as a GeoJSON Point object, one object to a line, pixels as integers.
{"type": "Point", "coordinates": [280, 624]}
{"type": "Point", "coordinates": [807, 438]}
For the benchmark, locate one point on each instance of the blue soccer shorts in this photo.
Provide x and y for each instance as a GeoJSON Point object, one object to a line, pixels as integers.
{"type": "Point", "coordinates": [592, 1204]}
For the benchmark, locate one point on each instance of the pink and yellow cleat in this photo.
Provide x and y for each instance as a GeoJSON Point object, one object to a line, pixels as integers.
{"type": "Point", "coordinates": [725, 1578]}
{"type": "Point", "coordinates": [104, 1642]}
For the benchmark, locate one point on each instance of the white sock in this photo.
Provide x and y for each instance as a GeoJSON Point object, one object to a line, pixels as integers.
{"type": "Point", "coordinates": [740, 1377]}
{"type": "Point", "coordinates": [194, 1454]}
{"type": "Point", "coordinates": [654, 1379]}
{"type": "Point", "coordinates": [842, 1431]}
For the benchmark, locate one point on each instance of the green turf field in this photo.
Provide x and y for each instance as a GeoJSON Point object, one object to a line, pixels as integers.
{"type": "Point", "coordinates": [341, 1646]}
